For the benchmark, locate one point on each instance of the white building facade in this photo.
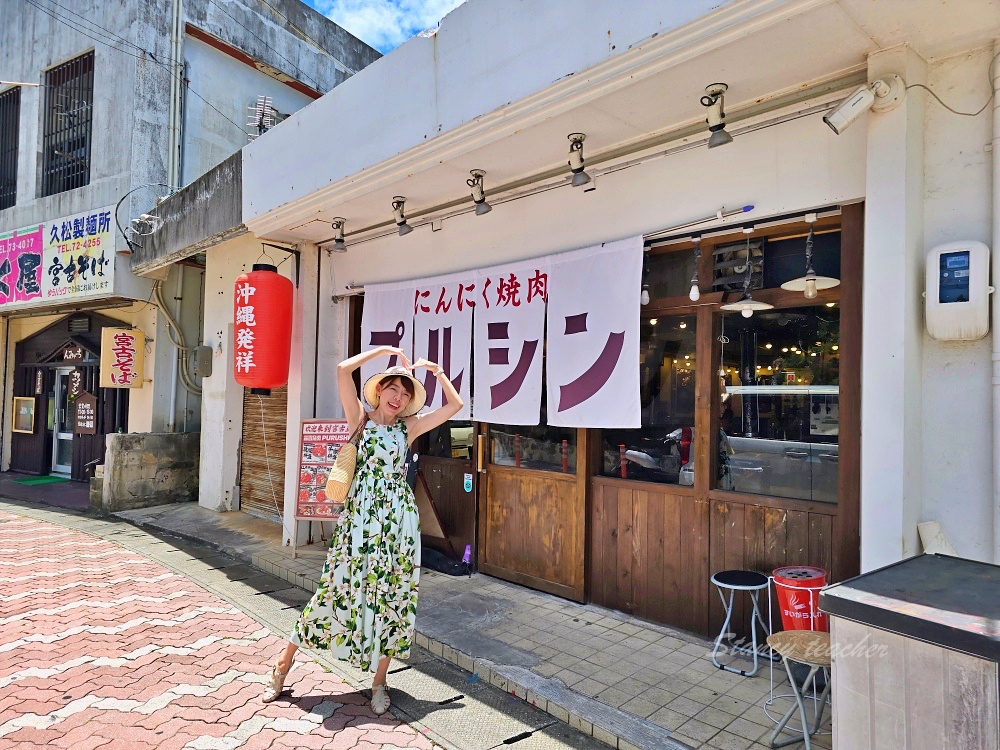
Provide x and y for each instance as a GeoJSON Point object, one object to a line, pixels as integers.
{"type": "Point", "coordinates": [909, 427]}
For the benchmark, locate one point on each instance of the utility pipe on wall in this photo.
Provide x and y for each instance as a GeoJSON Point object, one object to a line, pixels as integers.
{"type": "Point", "coordinates": [175, 354]}
{"type": "Point", "coordinates": [995, 76]}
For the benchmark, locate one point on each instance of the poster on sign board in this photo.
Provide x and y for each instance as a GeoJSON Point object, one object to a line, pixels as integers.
{"type": "Point", "coordinates": [86, 414]}
{"type": "Point", "coordinates": [320, 439]}
{"type": "Point", "coordinates": [122, 352]}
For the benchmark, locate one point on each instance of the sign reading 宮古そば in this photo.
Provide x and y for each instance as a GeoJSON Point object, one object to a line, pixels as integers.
{"type": "Point", "coordinates": [321, 439]}
{"type": "Point", "coordinates": [122, 357]}
{"type": "Point", "coordinates": [70, 257]}
{"type": "Point", "coordinates": [86, 414]}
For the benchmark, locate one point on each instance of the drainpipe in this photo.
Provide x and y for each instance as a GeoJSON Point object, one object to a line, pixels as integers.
{"type": "Point", "coordinates": [995, 76]}
{"type": "Point", "coordinates": [174, 115]}
{"type": "Point", "coordinates": [175, 355]}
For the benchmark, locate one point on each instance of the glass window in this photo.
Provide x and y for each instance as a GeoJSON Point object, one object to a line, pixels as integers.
{"type": "Point", "coordinates": [669, 273]}
{"type": "Point", "coordinates": [451, 440]}
{"type": "Point", "coordinates": [534, 447]}
{"type": "Point", "coordinates": [10, 115]}
{"type": "Point", "coordinates": [779, 415]}
{"type": "Point", "coordinates": [662, 449]}
{"type": "Point", "coordinates": [69, 96]}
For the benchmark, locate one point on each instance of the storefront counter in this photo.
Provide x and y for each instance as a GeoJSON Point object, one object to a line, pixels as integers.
{"type": "Point", "coordinates": [916, 647]}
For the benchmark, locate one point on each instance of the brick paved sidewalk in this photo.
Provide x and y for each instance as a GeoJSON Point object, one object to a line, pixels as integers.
{"type": "Point", "coordinates": [101, 647]}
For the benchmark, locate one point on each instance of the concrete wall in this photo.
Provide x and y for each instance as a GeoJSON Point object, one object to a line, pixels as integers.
{"type": "Point", "coordinates": [141, 470]}
{"type": "Point", "coordinates": [956, 463]}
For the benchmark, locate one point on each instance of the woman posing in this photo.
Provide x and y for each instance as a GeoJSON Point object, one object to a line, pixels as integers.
{"type": "Point", "coordinates": [364, 608]}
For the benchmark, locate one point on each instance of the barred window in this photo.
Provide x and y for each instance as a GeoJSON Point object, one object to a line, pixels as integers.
{"type": "Point", "coordinates": [69, 99]}
{"type": "Point", "coordinates": [10, 116]}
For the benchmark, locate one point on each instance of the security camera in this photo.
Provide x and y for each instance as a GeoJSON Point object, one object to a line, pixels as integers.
{"type": "Point", "coordinates": [880, 95]}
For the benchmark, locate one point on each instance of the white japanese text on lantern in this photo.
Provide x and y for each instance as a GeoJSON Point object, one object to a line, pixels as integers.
{"type": "Point", "coordinates": [245, 323]}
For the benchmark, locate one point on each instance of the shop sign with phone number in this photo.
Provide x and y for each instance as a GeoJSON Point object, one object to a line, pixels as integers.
{"type": "Point", "coordinates": [67, 258]}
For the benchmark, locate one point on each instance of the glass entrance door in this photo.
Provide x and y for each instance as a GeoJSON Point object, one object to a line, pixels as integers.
{"type": "Point", "coordinates": [63, 418]}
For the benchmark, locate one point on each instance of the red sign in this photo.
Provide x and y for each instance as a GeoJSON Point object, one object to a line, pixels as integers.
{"type": "Point", "coordinates": [318, 446]}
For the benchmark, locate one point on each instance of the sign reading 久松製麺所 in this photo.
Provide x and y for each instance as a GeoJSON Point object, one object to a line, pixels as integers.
{"type": "Point", "coordinates": [68, 258]}
{"type": "Point", "coordinates": [122, 357]}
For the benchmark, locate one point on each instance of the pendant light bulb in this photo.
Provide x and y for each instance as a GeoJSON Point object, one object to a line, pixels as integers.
{"type": "Point", "coordinates": [695, 293]}
{"type": "Point", "coordinates": [810, 291]}
{"type": "Point", "coordinates": [644, 297]}
{"type": "Point", "coordinates": [747, 312]}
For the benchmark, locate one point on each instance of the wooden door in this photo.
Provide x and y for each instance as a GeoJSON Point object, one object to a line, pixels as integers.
{"type": "Point", "coordinates": [533, 524]}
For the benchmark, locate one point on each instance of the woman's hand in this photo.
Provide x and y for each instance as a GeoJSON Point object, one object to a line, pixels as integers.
{"type": "Point", "coordinates": [394, 351]}
{"type": "Point", "coordinates": [434, 367]}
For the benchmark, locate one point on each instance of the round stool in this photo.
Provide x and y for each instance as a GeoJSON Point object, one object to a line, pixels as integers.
{"type": "Point", "coordinates": [733, 581]}
{"type": "Point", "coordinates": [811, 648]}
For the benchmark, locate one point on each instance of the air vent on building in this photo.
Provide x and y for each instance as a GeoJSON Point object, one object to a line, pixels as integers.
{"type": "Point", "coordinates": [79, 324]}
{"type": "Point", "coordinates": [731, 265]}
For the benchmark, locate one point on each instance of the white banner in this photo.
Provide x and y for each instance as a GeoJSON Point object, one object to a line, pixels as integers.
{"type": "Point", "coordinates": [387, 320]}
{"type": "Point", "coordinates": [442, 333]}
{"type": "Point", "coordinates": [593, 336]}
{"type": "Point", "coordinates": [509, 341]}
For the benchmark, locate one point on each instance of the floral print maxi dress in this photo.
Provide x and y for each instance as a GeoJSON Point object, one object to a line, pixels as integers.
{"type": "Point", "coordinates": [366, 603]}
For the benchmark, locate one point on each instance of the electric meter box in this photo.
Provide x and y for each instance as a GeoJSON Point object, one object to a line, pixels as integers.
{"type": "Point", "coordinates": [957, 300]}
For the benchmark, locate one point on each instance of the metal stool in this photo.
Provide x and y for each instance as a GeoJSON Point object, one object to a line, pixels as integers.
{"type": "Point", "coordinates": [811, 648]}
{"type": "Point", "coordinates": [733, 581]}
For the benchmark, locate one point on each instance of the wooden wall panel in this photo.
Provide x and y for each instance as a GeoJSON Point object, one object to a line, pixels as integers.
{"type": "Point", "coordinates": [648, 552]}
{"type": "Point", "coordinates": [534, 531]}
{"type": "Point", "coordinates": [761, 538]}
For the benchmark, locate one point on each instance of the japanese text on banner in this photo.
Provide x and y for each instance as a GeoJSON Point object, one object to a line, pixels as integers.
{"type": "Point", "coordinates": [122, 351]}
{"type": "Point", "coordinates": [442, 333]}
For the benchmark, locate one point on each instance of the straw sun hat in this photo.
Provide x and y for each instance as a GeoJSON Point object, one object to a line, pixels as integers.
{"type": "Point", "coordinates": [419, 394]}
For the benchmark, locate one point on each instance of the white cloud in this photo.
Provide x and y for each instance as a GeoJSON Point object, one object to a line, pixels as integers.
{"type": "Point", "coordinates": [385, 24]}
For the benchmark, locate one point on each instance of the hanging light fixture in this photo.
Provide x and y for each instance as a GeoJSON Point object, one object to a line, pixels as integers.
{"type": "Point", "coordinates": [695, 293]}
{"type": "Point", "coordinates": [398, 203]}
{"type": "Point", "coordinates": [746, 304]}
{"type": "Point", "coordinates": [713, 99]}
{"type": "Point", "coordinates": [339, 246]}
{"type": "Point", "coordinates": [644, 294]}
{"type": "Point", "coordinates": [478, 191]}
{"type": "Point", "coordinates": [576, 160]}
{"type": "Point", "coordinates": [810, 284]}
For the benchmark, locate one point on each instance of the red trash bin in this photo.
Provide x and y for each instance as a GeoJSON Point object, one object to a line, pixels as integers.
{"type": "Point", "coordinates": [798, 597]}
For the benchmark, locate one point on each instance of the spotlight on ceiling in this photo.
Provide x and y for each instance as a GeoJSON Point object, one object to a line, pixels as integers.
{"type": "Point", "coordinates": [576, 161]}
{"type": "Point", "coordinates": [713, 99]}
{"type": "Point", "coordinates": [478, 191]}
{"type": "Point", "coordinates": [880, 96]}
{"type": "Point", "coordinates": [397, 211]}
{"type": "Point", "coordinates": [339, 246]}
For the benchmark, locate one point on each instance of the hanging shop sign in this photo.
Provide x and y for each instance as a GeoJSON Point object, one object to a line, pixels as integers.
{"type": "Point", "coordinates": [86, 414]}
{"type": "Point", "coordinates": [39, 382]}
{"type": "Point", "coordinates": [262, 331]}
{"type": "Point", "coordinates": [319, 441]}
{"type": "Point", "coordinates": [588, 302]}
{"type": "Point", "coordinates": [75, 383]}
{"type": "Point", "coordinates": [68, 258]}
{"type": "Point", "coordinates": [122, 360]}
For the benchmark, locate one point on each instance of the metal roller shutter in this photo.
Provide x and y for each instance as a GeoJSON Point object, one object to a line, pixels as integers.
{"type": "Point", "coordinates": [256, 484]}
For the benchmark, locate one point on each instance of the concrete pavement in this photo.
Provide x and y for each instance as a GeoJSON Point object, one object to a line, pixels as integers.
{"type": "Point", "coordinates": [113, 638]}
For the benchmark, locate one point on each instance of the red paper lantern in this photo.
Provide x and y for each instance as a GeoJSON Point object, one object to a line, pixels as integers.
{"type": "Point", "coordinates": [262, 311]}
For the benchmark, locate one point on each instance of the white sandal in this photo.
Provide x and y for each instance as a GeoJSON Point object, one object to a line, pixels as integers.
{"type": "Point", "coordinates": [380, 699]}
{"type": "Point", "coordinates": [274, 685]}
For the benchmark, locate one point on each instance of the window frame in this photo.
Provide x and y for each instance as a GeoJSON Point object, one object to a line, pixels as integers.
{"type": "Point", "coordinates": [10, 126]}
{"type": "Point", "coordinates": [68, 170]}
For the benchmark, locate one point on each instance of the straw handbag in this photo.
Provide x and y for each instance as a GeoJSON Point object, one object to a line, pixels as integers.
{"type": "Point", "coordinates": [338, 484]}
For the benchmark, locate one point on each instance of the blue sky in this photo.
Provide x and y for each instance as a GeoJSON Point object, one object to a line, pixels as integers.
{"type": "Point", "coordinates": [385, 24]}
